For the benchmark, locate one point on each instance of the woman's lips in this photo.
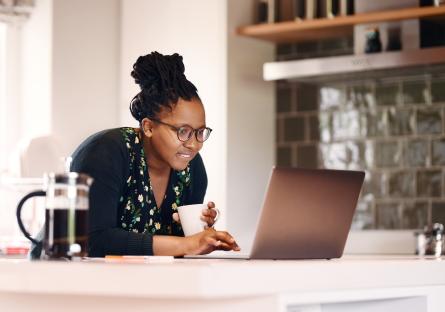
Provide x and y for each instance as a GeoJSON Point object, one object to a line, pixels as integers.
{"type": "Point", "coordinates": [184, 155]}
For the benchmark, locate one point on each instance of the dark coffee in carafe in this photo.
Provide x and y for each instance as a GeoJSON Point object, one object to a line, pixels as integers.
{"type": "Point", "coordinates": [66, 232]}
{"type": "Point", "coordinates": [66, 215]}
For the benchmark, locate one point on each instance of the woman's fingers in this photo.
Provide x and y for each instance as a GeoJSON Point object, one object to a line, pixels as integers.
{"type": "Point", "coordinates": [208, 220]}
{"type": "Point", "coordinates": [226, 247]}
{"type": "Point", "coordinates": [210, 213]}
{"type": "Point", "coordinates": [227, 239]}
{"type": "Point", "coordinates": [217, 244]}
{"type": "Point", "coordinates": [224, 236]}
{"type": "Point", "coordinates": [176, 217]}
{"type": "Point", "coordinates": [211, 205]}
{"type": "Point", "coordinates": [210, 240]}
{"type": "Point", "coordinates": [208, 216]}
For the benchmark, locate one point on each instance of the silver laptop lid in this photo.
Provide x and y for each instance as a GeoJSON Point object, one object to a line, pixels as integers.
{"type": "Point", "coordinates": [307, 213]}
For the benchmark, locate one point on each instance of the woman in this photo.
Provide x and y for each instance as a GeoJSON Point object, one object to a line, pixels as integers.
{"type": "Point", "coordinates": [142, 175]}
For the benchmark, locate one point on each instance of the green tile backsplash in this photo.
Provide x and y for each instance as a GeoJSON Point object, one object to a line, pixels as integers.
{"type": "Point", "coordinates": [392, 128]}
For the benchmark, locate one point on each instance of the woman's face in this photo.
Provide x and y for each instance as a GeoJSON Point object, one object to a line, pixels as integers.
{"type": "Point", "coordinates": [164, 142]}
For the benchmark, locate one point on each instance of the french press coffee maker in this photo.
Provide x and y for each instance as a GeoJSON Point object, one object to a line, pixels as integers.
{"type": "Point", "coordinates": [66, 215]}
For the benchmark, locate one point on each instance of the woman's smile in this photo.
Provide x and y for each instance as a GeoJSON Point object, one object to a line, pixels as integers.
{"type": "Point", "coordinates": [185, 155]}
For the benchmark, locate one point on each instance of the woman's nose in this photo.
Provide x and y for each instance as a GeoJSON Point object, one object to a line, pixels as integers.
{"type": "Point", "coordinates": [193, 143]}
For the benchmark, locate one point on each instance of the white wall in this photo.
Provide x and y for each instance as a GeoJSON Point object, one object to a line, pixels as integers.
{"type": "Point", "coordinates": [85, 54]}
{"type": "Point", "coordinates": [11, 123]}
{"type": "Point", "coordinates": [251, 124]}
{"type": "Point", "coordinates": [3, 106]}
{"type": "Point", "coordinates": [64, 62]}
{"type": "Point", "coordinates": [69, 70]}
{"type": "Point", "coordinates": [36, 66]}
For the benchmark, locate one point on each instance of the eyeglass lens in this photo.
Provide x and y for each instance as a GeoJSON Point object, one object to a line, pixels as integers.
{"type": "Point", "coordinates": [185, 133]}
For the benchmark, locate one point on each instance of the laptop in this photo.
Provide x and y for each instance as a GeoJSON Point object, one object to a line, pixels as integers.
{"type": "Point", "coordinates": [306, 214]}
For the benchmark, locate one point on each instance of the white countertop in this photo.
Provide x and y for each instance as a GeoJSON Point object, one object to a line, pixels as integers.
{"type": "Point", "coordinates": [205, 278]}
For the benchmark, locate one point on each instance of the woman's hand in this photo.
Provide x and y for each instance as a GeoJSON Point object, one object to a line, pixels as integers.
{"type": "Point", "coordinates": [208, 215]}
{"type": "Point", "coordinates": [209, 240]}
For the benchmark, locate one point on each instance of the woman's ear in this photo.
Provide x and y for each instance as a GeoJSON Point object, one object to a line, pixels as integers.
{"type": "Point", "coordinates": [147, 127]}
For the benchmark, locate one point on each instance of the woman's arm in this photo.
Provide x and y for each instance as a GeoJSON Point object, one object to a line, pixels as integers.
{"type": "Point", "coordinates": [200, 243]}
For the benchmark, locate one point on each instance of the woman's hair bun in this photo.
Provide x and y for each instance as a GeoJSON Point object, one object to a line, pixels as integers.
{"type": "Point", "coordinates": [162, 82]}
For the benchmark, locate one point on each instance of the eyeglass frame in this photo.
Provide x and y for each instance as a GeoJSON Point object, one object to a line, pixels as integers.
{"type": "Point", "coordinates": [194, 131]}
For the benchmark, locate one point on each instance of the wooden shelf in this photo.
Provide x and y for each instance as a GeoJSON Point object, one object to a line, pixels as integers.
{"type": "Point", "coordinates": [324, 28]}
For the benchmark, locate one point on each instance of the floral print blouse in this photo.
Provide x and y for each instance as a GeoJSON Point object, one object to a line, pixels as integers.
{"type": "Point", "coordinates": [139, 212]}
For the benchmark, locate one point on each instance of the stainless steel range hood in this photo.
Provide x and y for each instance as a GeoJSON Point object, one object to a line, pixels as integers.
{"type": "Point", "coordinates": [353, 65]}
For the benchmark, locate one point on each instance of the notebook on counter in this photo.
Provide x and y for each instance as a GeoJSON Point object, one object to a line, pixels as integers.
{"type": "Point", "coordinates": [306, 214]}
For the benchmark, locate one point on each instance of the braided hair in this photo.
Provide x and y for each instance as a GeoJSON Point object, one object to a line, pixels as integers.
{"type": "Point", "coordinates": [162, 82]}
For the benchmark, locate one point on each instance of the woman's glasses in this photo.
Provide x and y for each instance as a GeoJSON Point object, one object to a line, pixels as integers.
{"type": "Point", "coordinates": [185, 132]}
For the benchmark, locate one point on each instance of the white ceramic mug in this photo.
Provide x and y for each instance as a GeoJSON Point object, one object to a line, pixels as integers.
{"type": "Point", "coordinates": [190, 216]}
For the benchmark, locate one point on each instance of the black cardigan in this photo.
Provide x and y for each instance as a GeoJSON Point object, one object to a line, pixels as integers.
{"type": "Point", "coordinates": [105, 157]}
